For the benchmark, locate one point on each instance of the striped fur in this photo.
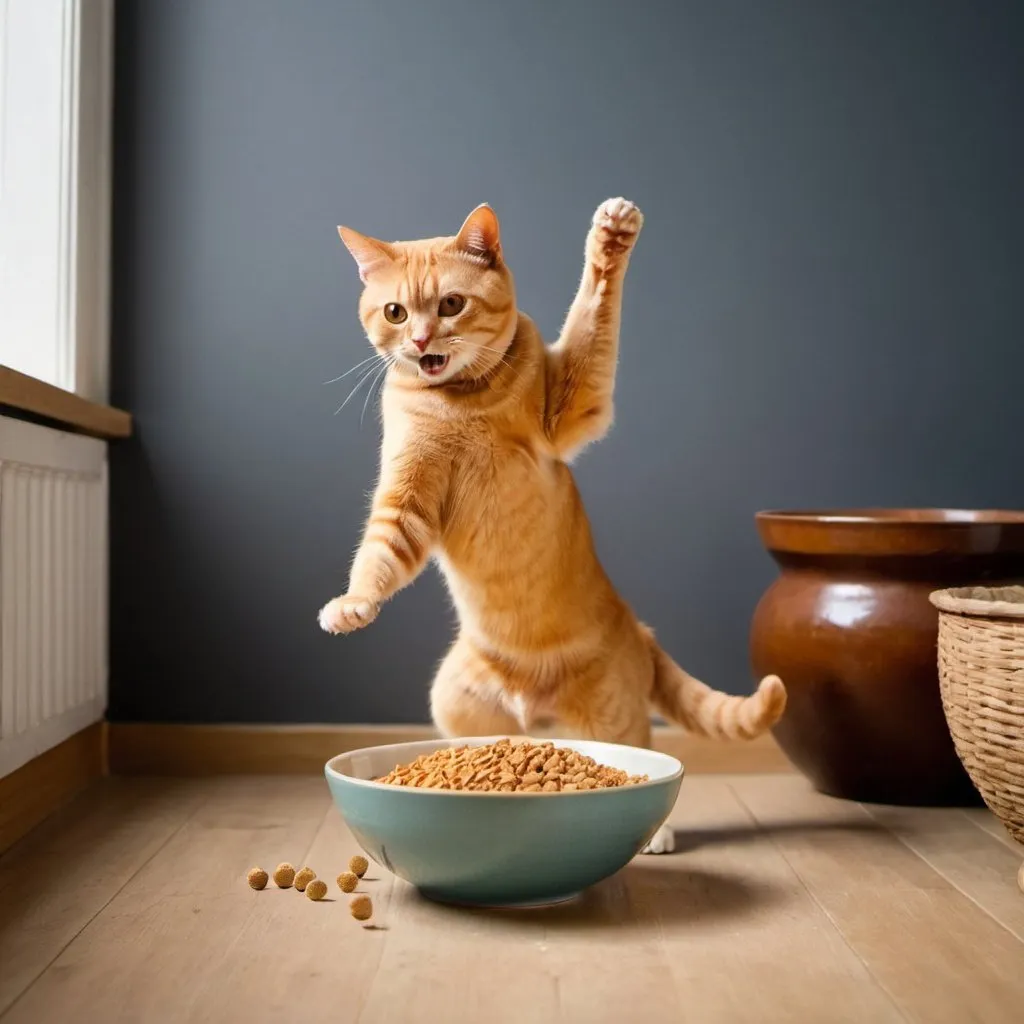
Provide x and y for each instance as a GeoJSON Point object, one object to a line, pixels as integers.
{"type": "Point", "coordinates": [474, 472]}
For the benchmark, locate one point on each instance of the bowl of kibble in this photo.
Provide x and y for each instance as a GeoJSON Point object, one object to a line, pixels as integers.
{"type": "Point", "coordinates": [497, 821]}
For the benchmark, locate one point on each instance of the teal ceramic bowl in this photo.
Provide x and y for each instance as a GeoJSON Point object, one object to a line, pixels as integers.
{"type": "Point", "coordinates": [502, 849]}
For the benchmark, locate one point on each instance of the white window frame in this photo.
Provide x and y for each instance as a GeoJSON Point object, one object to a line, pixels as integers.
{"type": "Point", "coordinates": [56, 74]}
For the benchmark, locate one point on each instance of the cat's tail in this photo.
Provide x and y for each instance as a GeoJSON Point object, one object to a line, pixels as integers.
{"type": "Point", "coordinates": [695, 706]}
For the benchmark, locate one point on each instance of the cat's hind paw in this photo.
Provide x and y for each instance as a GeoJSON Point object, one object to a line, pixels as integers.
{"type": "Point", "coordinates": [663, 841]}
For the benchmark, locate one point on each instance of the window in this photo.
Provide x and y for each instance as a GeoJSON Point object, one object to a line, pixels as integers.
{"type": "Point", "coordinates": [55, 107]}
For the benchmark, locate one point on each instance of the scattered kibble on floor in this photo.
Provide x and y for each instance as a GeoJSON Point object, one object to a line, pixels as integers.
{"type": "Point", "coordinates": [257, 878]}
{"type": "Point", "coordinates": [284, 875]}
{"type": "Point", "coordinates": [316, 889]}
{"type": "Point", "coordinates": [303, 878]}
{"type": "Point", "coordinates": [361, 908]}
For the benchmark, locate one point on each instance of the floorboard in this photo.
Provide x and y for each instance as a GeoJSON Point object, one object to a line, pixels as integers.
{"type": "Point", "coordinates": [59, 877]}
{"type": "Point", "coordinates": [781, 906]}
{"type": "Point", "coordinates": [165, 937]}
{"type": "Point", "coordinates": [940, 956]}
{"type": "Point", "coordinates": [971, 859]}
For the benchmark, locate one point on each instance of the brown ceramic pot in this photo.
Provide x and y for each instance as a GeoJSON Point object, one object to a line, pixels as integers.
{"type": "Point", "coordinates": [849, 627]}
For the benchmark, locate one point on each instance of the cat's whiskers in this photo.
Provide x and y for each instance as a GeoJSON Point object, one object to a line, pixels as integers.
{"type": "Point", "coordinates": [516, 372]}
{"type": "Point", "coordinates": [362, 362]}
{"type": "Point", "coordinates": [388, 363]}
{"type": "Point", "coordinates": [359, 383]}
{"type": "Point", "coordinates": [480, 347]}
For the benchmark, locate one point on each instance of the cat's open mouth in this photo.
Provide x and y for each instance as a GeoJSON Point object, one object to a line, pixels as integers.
{"type": "Point", "coordinates": [433, 363]}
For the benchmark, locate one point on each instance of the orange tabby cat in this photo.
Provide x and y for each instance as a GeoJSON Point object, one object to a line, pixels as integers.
{"type": "Point", "coordinates": [480, 422]}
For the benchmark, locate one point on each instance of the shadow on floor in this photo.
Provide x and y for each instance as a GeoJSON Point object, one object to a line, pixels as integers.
{"type": "Point", "coordinates": [665, 889]}
{"type": "Point", "coordinates": [689, 840]}
{"type": "Point", "coordinates": [640, 896]}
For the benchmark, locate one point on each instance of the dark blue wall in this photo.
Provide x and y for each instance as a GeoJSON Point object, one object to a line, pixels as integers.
{"type": "Point", "coordinates": [826, 306]}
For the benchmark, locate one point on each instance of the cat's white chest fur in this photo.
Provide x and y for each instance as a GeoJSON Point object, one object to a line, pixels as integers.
{"type": "Point", "coordinates": [535, 716]}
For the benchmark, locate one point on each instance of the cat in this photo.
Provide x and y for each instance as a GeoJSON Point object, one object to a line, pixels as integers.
{"type": "Point", "coordinates": [481, 420]}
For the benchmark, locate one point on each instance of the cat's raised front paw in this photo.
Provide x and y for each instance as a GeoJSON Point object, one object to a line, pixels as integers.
{"type": "Point", "coordinates": [617, 222]}
{"type": "Point", "coordinates": [346, 614]}
{"type": "Point", "coordinates": [663, 841]}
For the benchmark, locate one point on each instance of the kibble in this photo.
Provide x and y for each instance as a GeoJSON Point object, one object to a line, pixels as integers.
{"type": "Point", "coordinates": [284, 875]}
{"type": "Point", "coordinates": [303, 878]}
{"type": "Point", "coordinates": [507, 767]}
{"type": "Point", "coordinates": [361, 908]}
{"type": "Point", "coordinates": [316, 889]}
{"type": "Point", "coordinates": [347, 881]}
{"type": "Point", "coordinates": [257, 878]}
{"type": "Point", "coordinates": [358, 866]}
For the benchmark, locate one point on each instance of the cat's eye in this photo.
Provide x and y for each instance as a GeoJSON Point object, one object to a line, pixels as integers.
{"type": "Point", "coordinates": [450, 305]}
{"type": "Point", "coordinates": [394, 313]}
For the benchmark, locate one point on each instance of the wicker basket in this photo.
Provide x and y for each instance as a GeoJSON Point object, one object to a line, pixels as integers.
{"type": "Point", "coordinates": [981, 673]}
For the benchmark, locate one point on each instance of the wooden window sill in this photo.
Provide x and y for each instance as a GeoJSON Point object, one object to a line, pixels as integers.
{"type": "Point", "coordinates": [61, 408]}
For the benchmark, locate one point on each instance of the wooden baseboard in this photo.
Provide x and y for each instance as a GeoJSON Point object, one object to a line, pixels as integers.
{"type": "Point", "coordinates": [35, 790]}
{"type": "Point", "coordinates": [159, 749]}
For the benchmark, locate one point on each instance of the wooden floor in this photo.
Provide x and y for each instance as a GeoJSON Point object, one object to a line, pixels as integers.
{"type": "Point", "coordinates": [131, 905]}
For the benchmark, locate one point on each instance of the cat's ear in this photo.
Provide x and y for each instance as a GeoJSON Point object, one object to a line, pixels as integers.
{"type": "Point", "coordinates": [479, 235]}
{"type": "Point", "coordinates": [368, 253]}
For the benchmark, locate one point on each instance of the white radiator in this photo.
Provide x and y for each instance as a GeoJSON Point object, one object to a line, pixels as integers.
{"type": "Point", "coordinates": [53, 588]}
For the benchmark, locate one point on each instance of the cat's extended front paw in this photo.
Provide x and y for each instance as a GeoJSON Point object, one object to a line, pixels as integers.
{"type": "Point", "coordinates": [346, 614]}
{"type": "Point", "coordinates": [617, 223]}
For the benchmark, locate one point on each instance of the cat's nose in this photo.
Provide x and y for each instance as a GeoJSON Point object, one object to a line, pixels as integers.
{"type": "Point", "coordinates": [421, 339]}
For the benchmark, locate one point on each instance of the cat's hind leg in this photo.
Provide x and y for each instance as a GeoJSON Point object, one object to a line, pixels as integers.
{"type": "Point", "coordinates": [615, 713]}
{"type": "Point", "coordinates": [663, 841]}
{"type": "Point", "coordinates": [466, 699]}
